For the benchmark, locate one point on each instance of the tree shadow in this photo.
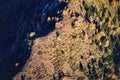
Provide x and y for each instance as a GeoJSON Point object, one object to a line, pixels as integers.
{"type": "Point", "coordinates": [108, 66]}
{"type": "Point", "coordinates": [18, 19]}
{"type": "Point", "coordinates": [116, 54]}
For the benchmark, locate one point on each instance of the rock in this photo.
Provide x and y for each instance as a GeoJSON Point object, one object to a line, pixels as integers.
{"type": "Point", "coordinates": [107, 43]}
{"type": "Point", "coordinates": [77, 23]}
{"type": "Point", "coordinates": [53, 18]}
{"type": "Point", "coordinates": [17, 64]}
{"type": "Point", "coordinates": [97, 19]}
{"type": "Point", "coordinates": [32, 34]}
{"type": "Point", "coordinates": [98, 36]}
{"type": "Point", "coordinates": [92, 26]}
{"type": "Point", "coordinates": [48, 19]}
{"type": "Point", "coordinates": [58, 25]}
{"type": "Point", "coordinates": [114, 77]}
{"type": "Point", "coordinates": [80, 19]}
{"type": "Point", "coordinates": [85, 36]}
{"type": "Point", "coordinates": [113, 3]}
{"type": "Point", "coordinates": [65, 12]}
{"type": "Point", "coordinates": [66, 78]}
{"type": "Point", "coordinates": [102, 33]}
{"type": "Point", "coordinates": [91, 19]}
{"type": "Point", "coordinates": [56, 19]}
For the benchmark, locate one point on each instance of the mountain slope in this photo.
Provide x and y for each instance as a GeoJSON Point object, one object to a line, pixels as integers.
{"type": "Point", "coordinates": [81, 45]}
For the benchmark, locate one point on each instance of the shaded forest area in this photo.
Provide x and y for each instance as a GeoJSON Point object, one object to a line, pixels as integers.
{"type": "Point", "coordinates": [17, 20]}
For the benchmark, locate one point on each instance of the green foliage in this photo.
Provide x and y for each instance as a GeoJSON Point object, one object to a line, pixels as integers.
{"type": "Point", "coordinates": [85, 5]}
{"type": "Point", "coordinates": [74, 36]}
{"type": "Point", "coordinates": [90, 13]}
{"type": "Point", "coordinates": [74, 27]}
{"type": "Point", "coordinates": [104, 11]}
{"type": "Point", "coordinates": [108, 58]}
{"type": "Point", "coordinates": [80, 78]}
{"type": "Point", "coordinates": [105, 28]}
